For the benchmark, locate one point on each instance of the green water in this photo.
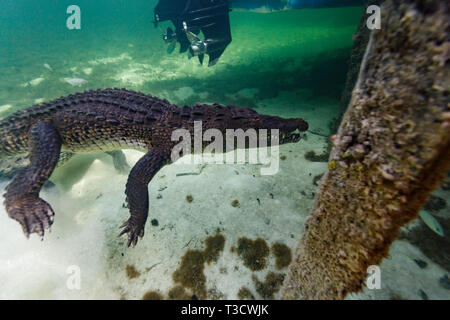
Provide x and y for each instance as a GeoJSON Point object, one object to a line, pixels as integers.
{"type": "Point", "coordinates": [299, 55]}
{"type": "Point", "coordinates": [290, 63]}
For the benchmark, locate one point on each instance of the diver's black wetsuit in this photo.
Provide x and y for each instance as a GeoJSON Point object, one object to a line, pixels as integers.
{"type": "Point", "coordinates": [192, 16]}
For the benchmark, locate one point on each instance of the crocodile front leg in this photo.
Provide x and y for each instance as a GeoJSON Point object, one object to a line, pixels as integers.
{"type": "Point", "coordinates": [22, 200]}
{"type": "Point", "coordinates": [137, 193]}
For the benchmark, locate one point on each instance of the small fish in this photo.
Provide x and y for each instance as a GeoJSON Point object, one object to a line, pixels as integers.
{"type": "Point", "coordinates": [431, 222]}
{"type": "Point", "coordinates": [47, 66]}
{"type": "Point", "coordinates": [76, 82]}
{"type": "Point", "coordinates": [5, 107]}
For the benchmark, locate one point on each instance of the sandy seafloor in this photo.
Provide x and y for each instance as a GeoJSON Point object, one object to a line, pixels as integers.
{"type": "Point", "coordinates": [296, 68]}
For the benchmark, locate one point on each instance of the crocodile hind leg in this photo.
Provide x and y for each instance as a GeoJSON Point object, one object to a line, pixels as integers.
{"type": "Point", "coordinates": [22, 200]}
{"type": "Point", "coordinates": [137, 193]}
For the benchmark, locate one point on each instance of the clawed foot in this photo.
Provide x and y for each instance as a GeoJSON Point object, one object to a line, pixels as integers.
{"type": "Point", "coordinates": [34, 214]}
{"type": "Point", "coordinates": [134, 232]}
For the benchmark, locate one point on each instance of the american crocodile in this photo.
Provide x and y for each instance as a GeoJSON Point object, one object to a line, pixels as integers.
{"type": "Point", "coordinates": [105, 120]}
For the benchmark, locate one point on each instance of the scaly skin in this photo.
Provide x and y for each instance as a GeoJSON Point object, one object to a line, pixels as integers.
{"type": "Point", "coordinates": [104, 121]}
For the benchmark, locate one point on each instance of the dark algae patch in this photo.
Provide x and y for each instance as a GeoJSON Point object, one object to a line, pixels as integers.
{"type": "Point", "coordinates": [253, 252]}
{"type": "Point", "coordinates": [235, 203]}
{"type": "Point", "coordinates": [444, 282]}
{"type": "Point", "coordinates": [434, 204]}
{"type": "Point", "coordinates": [396, 297]}
{"type": "Point", "coordinates": [317, 178]}
{"type": "Point", "coordinates": [131, 272]}
{"type": "Point", "coordinates": [152, 295]}
{"type": "Point", "coordinates": [245, 294]}
{"type": "Point", "coordinates": [313, 157]}
{"type": "Point", "coordinates": [422, 264]}
{"type": "Point", "coordinates": [283, 255]}
{"type": "Point", "coordinates": [270, 286]}
{"type": "Point", "coordinates": [445, 184]}
{"type": "Point", "coordinates": [190, 273]}
{"type": "Point", "coordinates": [214, 246]}
{"type": "Point", "coordinates": [178, 293]}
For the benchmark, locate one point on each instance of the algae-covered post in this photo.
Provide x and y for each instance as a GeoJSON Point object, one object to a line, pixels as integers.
{"type": "Point", "coordinates": [391, 150]}
{"type": "Point", "coordinates": [360, 41]}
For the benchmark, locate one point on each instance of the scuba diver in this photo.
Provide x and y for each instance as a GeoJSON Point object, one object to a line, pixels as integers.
{"type": "Point", "coordinates": [190, 17]}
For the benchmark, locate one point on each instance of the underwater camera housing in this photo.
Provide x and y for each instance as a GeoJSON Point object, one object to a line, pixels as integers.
{"type": "Point", "coordinates": [190, 17]}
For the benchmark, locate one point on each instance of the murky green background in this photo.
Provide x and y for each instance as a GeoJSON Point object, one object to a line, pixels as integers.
{"type": "Point", "coordinates": [299, 50]}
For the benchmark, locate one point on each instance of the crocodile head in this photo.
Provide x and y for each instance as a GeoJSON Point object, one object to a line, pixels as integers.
{"type": "Point", "coordinates": [289, 129]}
